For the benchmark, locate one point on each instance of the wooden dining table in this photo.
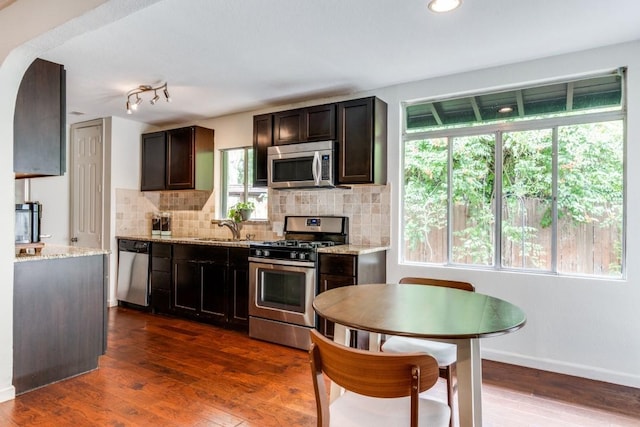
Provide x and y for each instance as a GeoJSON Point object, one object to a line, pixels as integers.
{"type": "Point", "coordinates": [422, 311]}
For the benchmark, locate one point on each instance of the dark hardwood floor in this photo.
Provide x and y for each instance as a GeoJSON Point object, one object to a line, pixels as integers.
{"type": "Point", "coordinates": [161, 371]}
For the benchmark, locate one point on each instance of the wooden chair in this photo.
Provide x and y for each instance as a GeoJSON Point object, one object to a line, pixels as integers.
{"type": "Point", "coordinates": [381, 389]}
{"type": "Point", "coordinates": [444, 353]}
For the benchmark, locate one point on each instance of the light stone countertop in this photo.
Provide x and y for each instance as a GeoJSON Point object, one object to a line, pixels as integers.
{"type": "Point", "coordinates": [352, 249]}
{"type": "Point", "coordinates": [59, 251]}
{"type": "Point", "coordinates": [213, 241]}
{"type": "Point", "coordinates": [340, 249]}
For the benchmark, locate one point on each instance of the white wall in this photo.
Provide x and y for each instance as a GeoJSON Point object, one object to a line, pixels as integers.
{"type": "Point", "coordinates": [124, 140]}
{"type": "Point", "coordinates": [25, 35]}
{"type": "Point", "coordinates": [13, 63]}
{"type": "Point", "coordinates": [582, 326]}
{"type": "Point", "coordinates": [579, 326]}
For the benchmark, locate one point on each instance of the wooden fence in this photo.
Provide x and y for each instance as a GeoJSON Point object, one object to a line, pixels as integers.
{"type": "Point", "coordinates": [582, 248]}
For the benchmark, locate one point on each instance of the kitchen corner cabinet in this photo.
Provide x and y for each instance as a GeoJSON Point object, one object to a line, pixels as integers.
{"type": "Point", "coordinates": [160, 277]}
{"type": "Point", "coordinates": [39, 122]}
{"type": "Point", "coordinates": [337, 270]}
{"type": "Point", "coordinates": [317, 123]}
{"type": "Point", "coordinates": [262, 139]}
{"type": "Point", "coordinates": [362, 141]}
{"type": "Point", "coordinates": [177, 159]}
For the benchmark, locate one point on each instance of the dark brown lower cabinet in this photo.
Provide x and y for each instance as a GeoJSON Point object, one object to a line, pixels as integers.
{"type": "Point", "coordinates": [238, 289]}
{"type": "Point", "coordinates": [160, 277]}
{"type": "Point", "coordinates": [337, 270]}
{"type": "Point", "coordinates": [59, 319]}
{"type": "Point", "coordinates": [211, 284]}
{"type": "Point", "coordinates": [199, 281]}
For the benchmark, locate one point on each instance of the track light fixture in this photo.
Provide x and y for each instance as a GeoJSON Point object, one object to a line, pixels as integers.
{"type": "Point", "coordinates": [134, 99]}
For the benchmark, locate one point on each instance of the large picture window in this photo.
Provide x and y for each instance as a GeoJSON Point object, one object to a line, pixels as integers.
{"type": "Point", "coordinates": [540, 189]}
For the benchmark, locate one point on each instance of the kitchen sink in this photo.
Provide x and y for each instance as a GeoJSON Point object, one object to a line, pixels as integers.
{"type": "Point", "coordinates": [212, 239]}
{"type": "Point", "coordinates": [217, 239]}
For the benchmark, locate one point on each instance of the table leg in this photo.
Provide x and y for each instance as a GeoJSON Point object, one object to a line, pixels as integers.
{"type": "Point", "coordinates": [469, 377]}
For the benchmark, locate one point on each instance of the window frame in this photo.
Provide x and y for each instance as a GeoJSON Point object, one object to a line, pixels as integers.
{"type": "Point", "coordinates": [498, 129]}
{"type": "Point", "coordinates": [224, 185]}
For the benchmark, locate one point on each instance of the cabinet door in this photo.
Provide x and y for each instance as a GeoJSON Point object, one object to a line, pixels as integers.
{"type": "Point", "coordinates": [39, 122]}
{"type": "Point", "coordinates": [239, 296]}
{"type": "Point", "coordinates": [288, 127]}
{"type": "Point", "coordinates": [238, 291]}
{"type": "Point", "coordinates": [362, 141]}
{"type": "Point", "coordinates": [320, 123]}
{"type": "Point", "coordinates": [154, 159]}
{"type": "Point", "coordinates": [330, 282]}
{"type": "Point", "coordinates": [180, 160]}
{"type": "Point", "coordinates": [214, 295]}
{"type": "Point", "coordinates": [262, 139]}
{"type": "Point", "coordinates": [355, 141]}
{"type": "Point", "coordinates": [186, 286]}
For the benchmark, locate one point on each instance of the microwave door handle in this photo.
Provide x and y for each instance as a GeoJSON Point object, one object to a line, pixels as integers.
{"type": "Point", "coordinates": [317, 168]}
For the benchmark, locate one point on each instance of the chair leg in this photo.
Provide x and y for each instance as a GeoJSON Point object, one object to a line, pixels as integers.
{"type": "Point", "coordinates": [450, 390]}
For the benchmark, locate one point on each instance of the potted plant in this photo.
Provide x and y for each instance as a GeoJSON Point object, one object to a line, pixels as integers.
{"type": "Point", "coordinates": [241, 211]}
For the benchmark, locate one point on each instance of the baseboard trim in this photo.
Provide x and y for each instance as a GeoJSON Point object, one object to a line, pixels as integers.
{"type": "Point", "coordinates": [573, 369]}
{"type": "Point", "coordinates": [8, 393]}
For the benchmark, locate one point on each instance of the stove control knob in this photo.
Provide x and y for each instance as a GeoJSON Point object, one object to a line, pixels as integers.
{"type": "Point", "coordinates": [258, 252]}
{"type": "Point", "coordinates": [302, 255]}
{"type": "Point", "coordinates": [265, 253]}
{"type": "Point", "coordinates": [293, 255]}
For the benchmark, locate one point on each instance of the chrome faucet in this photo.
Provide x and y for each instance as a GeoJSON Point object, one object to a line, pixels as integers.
{"type": "Point", "coordinates": [233, 226]}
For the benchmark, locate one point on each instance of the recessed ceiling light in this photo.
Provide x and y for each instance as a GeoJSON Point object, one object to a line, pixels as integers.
{"type": "Point", "coordinates": [505, 110]}
{"type": "Point", "coordinates": [440, 6]}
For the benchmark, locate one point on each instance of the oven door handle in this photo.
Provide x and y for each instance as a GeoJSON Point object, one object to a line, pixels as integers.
{"type": "Point", "coordinates": [269, 261]}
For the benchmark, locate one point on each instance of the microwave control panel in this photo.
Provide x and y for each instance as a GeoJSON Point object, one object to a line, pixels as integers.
{"type": "Point", "coordinates": [326, 168]}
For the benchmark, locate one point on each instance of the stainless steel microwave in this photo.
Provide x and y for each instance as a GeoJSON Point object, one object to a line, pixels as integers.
{"type": "Point", "coordinates": [28, 216]}
{"type": "Point", "coordinates": [304, 165]}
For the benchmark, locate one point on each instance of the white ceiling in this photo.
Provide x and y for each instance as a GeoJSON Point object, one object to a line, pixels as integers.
{"type": "Point", "coordinates": [226, 56]}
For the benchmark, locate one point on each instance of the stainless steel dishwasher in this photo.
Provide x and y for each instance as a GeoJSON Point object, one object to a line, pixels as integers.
{"type": "Point", "coordinates": [133, 272]}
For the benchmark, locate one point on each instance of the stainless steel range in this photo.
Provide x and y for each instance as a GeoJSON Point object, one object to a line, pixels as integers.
{"type": "Point", "coordinates": [283, 279]}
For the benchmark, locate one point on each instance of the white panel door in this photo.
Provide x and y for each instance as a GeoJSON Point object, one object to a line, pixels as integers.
{"type": "Point", "coordinates": [86, 186]}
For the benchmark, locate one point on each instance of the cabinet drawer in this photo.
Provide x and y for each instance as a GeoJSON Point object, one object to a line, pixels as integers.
{"type": "Point", "coordinates": [161, 280]}
{"type": "Point", "coordinates": [161, 264]}
{"type": "Point", "coordinates": [239, 256]}
{"type": "Point", "coordinates": [342, 265]}
{"type": "Point", "coordinates": [162, 250]}
{"type": "Point", "coordinates": [214, 254]}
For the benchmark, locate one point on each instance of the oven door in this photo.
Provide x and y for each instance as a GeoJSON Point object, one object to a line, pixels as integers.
{"type": "Point", "coordinates": [282, 291]}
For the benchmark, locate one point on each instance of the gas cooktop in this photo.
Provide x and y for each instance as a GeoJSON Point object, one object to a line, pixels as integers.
{"type": "Point", "coordinates": [298, 244]}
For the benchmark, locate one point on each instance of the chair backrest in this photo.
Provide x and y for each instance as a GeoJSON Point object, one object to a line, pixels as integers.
{"type": "Point", "coordinates": [438, 282]}
{"type": "Point", "coordinates": [368, 373]}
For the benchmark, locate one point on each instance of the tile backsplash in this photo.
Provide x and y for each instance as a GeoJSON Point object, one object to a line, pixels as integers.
{"type": "Point", "coordinates": [367, 206]}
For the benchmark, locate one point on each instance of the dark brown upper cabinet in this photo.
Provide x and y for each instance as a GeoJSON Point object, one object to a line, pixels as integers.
{"type": "Point", "coordinates": [39, 123]}
{"type": "Point", "coordinates": [154, 161]}
{"type": "Point", "coordinates": [317, 123]}
{"type": "Point", "coordinates": [177, 159]}
{"type": "Point", "coordinates": [262, 139]}
{"type": "Point", "coordinates": [362, 141]}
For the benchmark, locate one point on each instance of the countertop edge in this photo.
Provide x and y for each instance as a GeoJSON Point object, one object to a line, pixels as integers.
{"type": "Point", "coordinates": [60, 252]}
{"type": "Point", "coordinates": [339, 250]}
